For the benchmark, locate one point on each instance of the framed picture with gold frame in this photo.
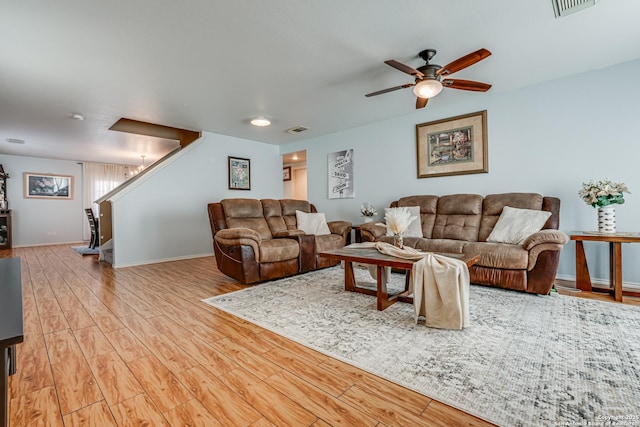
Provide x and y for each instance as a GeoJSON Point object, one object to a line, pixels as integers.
{"type": "Point", "coordinates": [453, 146]}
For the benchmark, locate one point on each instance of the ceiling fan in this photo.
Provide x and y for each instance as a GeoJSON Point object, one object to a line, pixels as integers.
{"type": "Point", "coordinates": [428, 81]}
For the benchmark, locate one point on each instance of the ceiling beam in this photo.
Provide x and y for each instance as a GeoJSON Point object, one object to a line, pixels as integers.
{"type": "Point", "coordinates": [184, 136]}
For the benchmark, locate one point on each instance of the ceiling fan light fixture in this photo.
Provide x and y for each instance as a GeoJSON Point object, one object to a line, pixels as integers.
{"type": "Point", "coordinates": [260, 121]}
{"type": "Point", "coordinates": [427, 88]}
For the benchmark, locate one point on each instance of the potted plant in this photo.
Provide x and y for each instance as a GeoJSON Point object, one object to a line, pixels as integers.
{"type": "Point", "coordinates": [604, 195]}
{"type": "Point", "coordinates": [368, 211]}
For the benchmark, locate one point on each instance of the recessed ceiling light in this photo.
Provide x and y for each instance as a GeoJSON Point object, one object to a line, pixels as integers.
{"type": "Point", "coordinates": [260, 121]}
{"type": "Point", "coordinates": [77, 116]}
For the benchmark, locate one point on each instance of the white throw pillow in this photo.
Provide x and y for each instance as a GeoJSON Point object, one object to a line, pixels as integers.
{"type": "Point", "coordinates": [312, 223]}
{"type": "Point", "coordinates": [515, 225]}
{"type": "Point", "coordinates": [415, 227]}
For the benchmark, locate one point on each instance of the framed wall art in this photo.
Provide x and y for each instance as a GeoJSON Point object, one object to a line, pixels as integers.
{"type": "Point", "coordinates": [340, 174]}
{"type": "Point", "coordinates": [239, 173]}
{"type": "Point", "coordinates": [48, 186]}
{"type": "Point", "coordinates": [453, 146]}
{"type": "Point", "coordinates": [286, 173]}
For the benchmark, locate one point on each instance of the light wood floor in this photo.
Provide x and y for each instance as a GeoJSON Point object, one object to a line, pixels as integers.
{"type": "Point", "coordinates": [135, 346]}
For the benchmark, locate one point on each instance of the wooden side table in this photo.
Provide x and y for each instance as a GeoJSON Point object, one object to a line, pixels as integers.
{"type": "Point", "coordinates": [357, 232]}
{"type": "Point", "coordinates": [615, 240]}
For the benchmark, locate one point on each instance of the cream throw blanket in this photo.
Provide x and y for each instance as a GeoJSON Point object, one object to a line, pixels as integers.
{"type": "Point", "coordinates": [440, 285]}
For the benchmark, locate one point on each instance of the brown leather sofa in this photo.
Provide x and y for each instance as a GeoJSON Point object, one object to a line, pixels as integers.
{"type": "Point", "coordinates": [461, 223]}
{"type": "Point", "coordinates": [257, 240]}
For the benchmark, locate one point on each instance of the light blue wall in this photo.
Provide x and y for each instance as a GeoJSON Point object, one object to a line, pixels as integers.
{"type": "Point", "coordinates": [164, 216]}
{"type": "Point", "coordinates": [36, 220]}
{"type": "Point", "coordinates": [546, 138]}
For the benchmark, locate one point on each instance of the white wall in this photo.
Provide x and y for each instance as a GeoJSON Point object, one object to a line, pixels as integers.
{"type": "Point", "coordinates": [35, 220]}
{"type": "Point", "coordinates": [547, 138]}
{"type": "Point", "coordinates": [164, 216]}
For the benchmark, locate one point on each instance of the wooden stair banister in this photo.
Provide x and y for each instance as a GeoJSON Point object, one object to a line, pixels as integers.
{"type": "Point", "coordinates": [184, 136]}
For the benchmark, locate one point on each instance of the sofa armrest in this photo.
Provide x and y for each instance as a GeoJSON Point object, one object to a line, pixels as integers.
{"type": "Point", "coordinates": [371, 231]}
{"type": "Point", "coordinates": [238, 237]}
{"type": "Point", "coordinates": [544, 237]}
{"type": "Point", "coordinates": [287, 233]}
{"type": "Point", "coordinates": [238, 233]}
{"type": "Point", "coordinates": [339, 227]}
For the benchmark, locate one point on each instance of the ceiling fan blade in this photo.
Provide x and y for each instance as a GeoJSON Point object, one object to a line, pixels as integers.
{"type": "Point", "coordinates": [404, 68]}
{"type": "Point", "coordinates": [421, 102]}
{"type": "Point", "coordinates": [466, 85]}
{"type": "Point", "coordinates": [463, 62]}
{"type": "Point", "coordinates": [391, 89]}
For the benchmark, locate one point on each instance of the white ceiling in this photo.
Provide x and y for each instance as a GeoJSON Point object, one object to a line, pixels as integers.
{"type": "Point", "coordinates": [213, 65]}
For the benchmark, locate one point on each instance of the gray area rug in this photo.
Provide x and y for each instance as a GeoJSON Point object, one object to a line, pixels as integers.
{"type": "Point", "coordinates": [526, 360]}
{"type": "Point", "coordinates": [86, 250]}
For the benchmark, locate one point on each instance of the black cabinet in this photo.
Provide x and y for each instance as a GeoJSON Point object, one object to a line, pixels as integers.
{"type": "Point", "coordinates": [5, 228]}
{"type": "Point", "coordinates": [5, 212]}
{"type": "Point", "coordinates": [11, 327]}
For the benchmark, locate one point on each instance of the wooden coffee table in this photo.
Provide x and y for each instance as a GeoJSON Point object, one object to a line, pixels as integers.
{"type": "Point", "coordinates": [372, 256]}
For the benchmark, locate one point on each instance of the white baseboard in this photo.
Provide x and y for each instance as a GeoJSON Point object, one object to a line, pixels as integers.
{"type": "Point", "coordinates": [36, 245]}
{"type": "Point", "coordinates": [630, 286]}
{"type": "Point", "coordinates": [157, 261]}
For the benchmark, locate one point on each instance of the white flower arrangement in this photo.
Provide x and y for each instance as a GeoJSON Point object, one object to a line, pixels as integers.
{"type": "Point", "coordinates": [603, 193]}
{"type": "Point", "coordinates": [368, 210]}
{"type": "Point", "coordinates": [398, 219]}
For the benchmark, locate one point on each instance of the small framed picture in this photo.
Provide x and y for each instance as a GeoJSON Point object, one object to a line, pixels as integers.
{"type": "Point", "coordinates": [239, 173]}
{"type": "Point", "coordinates": [48, 186]}
{"type": "Point", "coordinates": [286, 173]}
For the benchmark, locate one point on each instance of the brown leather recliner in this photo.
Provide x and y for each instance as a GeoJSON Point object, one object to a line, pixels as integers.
{"type": "Point", "coordinates": [257, 240]}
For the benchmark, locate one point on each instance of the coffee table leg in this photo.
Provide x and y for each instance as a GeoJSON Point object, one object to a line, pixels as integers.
{"type": "Point", "coordinates": [382, 293]}
{"type": "Point", "coordinates": [349, 278]}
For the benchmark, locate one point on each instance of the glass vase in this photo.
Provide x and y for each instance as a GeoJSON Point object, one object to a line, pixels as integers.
{"type": "Point", "coordinates": [398, 240]}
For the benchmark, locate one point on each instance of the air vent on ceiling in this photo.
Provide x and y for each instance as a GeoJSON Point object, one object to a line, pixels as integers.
{"type": "Point", "coordinates": [296, 130]}
{"type": "Point", "coordinates": [567, 7]}
{"type": "Point", "coordinates": [15, 141]}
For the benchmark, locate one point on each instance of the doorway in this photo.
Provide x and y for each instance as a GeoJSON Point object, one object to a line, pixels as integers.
{"type": "Point", "coordinates": [294, 175]}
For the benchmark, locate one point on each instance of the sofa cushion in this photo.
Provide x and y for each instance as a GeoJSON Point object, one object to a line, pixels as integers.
{"type": "Point", "coordinates": [458, 217]}
{"type": "Point", "coordinates": [246, 213]}
{"type": "Point", "coordinates": [289, 208]}
{"type": "Point", "coordinates": [279, 250]}
{"type": "Point", "coordinates": [273, 215]}
{"type": "Point", "coordinates": [515, 225]}
{"type": "Point", "coordinates": [312, 223]}
{"type": "Point", "coordinates": [494, 203]}
{"type": "Point", "coordinates": [415, 228]}
{"type": "Point", "coordinates": [499, 255]}
{"type": "Point", "coordinates": [428, 209]}
{"type": "Point", "coordinates": [441, 245]}
{"type": "Point", "coordinates": [429, 245]}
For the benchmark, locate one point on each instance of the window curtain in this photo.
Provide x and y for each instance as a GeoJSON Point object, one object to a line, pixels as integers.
{"type": "Point", "coordinates": [98, 179]}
